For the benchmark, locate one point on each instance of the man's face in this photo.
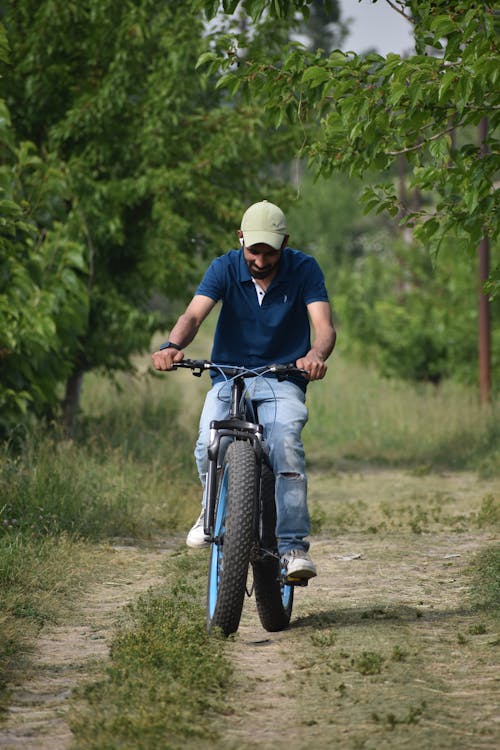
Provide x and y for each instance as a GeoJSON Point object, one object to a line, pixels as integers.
{"type": "Point", "coordinates": [262, 260]}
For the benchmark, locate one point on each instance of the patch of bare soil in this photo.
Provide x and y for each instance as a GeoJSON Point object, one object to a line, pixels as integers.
{"type": "Point", "coordinates": [65, 655]}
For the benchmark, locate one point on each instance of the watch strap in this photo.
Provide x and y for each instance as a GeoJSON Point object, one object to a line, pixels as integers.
{"type": "Point", "coordinates": [170, 345]}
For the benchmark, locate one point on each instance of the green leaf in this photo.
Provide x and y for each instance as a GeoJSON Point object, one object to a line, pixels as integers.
{"type": "Point", "coordinates": [315, 76]}
{"type": "Point", "coordinates": [205, 58]}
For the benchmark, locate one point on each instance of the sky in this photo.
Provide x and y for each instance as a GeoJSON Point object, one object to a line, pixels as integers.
{"type": "Point", "coordinates": [375, 25]}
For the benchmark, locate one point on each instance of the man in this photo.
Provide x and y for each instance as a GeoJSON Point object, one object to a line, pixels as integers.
{"type": "Point", "coordinates": [270, 295]}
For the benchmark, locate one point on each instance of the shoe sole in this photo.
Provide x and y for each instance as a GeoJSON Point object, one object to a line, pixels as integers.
{"type": "Point", "coordinates": [302, 574]}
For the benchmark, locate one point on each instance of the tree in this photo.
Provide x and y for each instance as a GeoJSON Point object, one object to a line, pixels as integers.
{"type": "Point", "coordinates": [363, 113]}
{"type": "Point", "coordinates": [43, 290]}
{"type": "Point", "coordinates": [152, 161]}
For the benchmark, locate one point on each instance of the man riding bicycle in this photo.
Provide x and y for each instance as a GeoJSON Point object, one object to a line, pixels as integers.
{"type": "Point", "coordinates": [271, 295]}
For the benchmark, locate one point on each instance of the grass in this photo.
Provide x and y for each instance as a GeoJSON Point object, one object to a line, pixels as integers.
{"type": "Point", "coordinates": [167, 678]}
{"type": "Point", "coordinates": [486, 581]}
{"type": "Point", "coordinates": [358, 416]}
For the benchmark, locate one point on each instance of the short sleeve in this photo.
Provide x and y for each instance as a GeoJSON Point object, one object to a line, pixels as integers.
{"type": "Point", "coordinates": [213, 282]}
{"type": "Point", "coordinates": [314, 284]}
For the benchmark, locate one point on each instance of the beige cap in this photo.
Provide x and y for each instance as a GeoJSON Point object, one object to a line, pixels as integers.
{"type": "Point", "coordinates": [265, 223]}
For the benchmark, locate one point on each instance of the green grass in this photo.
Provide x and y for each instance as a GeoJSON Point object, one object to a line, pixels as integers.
{"type": "Point", "coordinates": [357, 415]}
{"type": "Point", "coordinates": [167, 678]}
{"type": "Point", "coordinates": [486, 580]}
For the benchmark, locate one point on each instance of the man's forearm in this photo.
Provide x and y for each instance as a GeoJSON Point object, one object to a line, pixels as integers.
{"type": "Point", "coordinates": [324, 343]}
{"type": "Point", "coordinates": [184, 330]}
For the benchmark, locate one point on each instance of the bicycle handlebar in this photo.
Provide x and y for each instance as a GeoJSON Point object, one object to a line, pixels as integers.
{"type": "Point", "coordinates": [198, 366]}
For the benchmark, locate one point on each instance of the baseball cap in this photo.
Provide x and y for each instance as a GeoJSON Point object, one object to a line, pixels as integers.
{"type": "Point", "coordinates": [265, 223]}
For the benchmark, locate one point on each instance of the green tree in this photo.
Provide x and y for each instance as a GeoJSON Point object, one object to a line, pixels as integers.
{"type": "Point", "coordinates": [156, 167]}
{"type": "Point", "coordinates": [362, 113]}
{"type": "Point", "coordinates": [43, 290]}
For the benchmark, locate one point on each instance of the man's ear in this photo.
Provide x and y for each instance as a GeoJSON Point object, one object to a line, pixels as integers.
{"type": "Point", "coordinates": [240, 236]}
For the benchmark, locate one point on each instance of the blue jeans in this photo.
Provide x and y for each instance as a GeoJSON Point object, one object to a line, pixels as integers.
{"type": "Point", "coordinates": [283, 414]}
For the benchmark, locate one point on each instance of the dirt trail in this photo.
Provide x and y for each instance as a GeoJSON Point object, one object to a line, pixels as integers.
{"type": "Point", "coordinates": [66, 655]}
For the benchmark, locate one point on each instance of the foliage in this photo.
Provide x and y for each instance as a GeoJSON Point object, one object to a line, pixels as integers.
{"type": "Point", "coordinates": [361, 113]}
{"type": "Point", "coordinates": [43, 290]}
{"type": "Point", "coordinates": [414, 320]}
{"type": "Point", "coordinates": [150, 161]}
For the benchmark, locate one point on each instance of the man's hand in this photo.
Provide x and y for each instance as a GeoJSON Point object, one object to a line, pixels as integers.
{"type": "Point", "coordinates": [314, 363]}
{"type": "Point", "coordinates": [165, 359]}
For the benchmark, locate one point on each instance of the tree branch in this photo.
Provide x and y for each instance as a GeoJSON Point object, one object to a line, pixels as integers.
{"type": "Point", "coordinates": [416, 147]}
{"type": "Point", "coordinates": [400, 11]}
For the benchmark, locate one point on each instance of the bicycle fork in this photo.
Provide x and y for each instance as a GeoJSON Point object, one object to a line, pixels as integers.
{"type": "Point", "coordinates": [236, 429]}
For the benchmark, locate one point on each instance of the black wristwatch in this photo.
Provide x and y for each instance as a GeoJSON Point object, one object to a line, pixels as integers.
{"type": "Point", "coordinates": [170, 345]}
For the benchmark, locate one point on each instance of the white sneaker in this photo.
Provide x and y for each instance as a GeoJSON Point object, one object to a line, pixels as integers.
{"type": "Point", "coordinates": [298, 565]}
{"type": "Point", "coordinates": [196, 537]}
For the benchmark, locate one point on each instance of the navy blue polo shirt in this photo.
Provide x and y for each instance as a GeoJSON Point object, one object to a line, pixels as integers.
{"type": "Point", "coordinates": [277, 331]}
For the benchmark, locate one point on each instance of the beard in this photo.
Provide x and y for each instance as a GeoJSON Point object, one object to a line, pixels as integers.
{"type": "Point", "coordinates": [260, 273]}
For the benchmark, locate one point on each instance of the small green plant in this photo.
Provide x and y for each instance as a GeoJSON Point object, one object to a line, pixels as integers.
{"type": "Point", "coordinates": [323, 638]}
{"type": "Point", "coordinates": [318, 518]}
{"type": "Point", "coordinates": [399, 654]}
{"type": "Point", "coordinates": [486, 579]}
{"type": "Point", "coordinates": [392, 720]}
{"type": "Point", "coordinates": [370, 662]}
{"type": "Point", "coordinates": [478, 629]}
{"type": "Point", "coordinates": [489, 512]}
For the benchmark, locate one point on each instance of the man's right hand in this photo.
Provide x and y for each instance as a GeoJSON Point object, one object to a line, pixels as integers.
{"type": "Point", "coordinates": [166, 359]}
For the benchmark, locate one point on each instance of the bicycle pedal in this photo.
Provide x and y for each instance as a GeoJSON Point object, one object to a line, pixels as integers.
{"type": "Point", "coordinates": [296, 581]}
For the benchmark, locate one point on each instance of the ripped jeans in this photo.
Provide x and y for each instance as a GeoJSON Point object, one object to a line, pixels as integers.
{"type": "Point", "coordinates": [283, 414]}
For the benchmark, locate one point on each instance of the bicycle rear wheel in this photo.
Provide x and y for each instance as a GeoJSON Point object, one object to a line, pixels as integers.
{"type": "Point", "coordinates": [233, 532]}
{"type": "Point", "coordinates": [274, 598]}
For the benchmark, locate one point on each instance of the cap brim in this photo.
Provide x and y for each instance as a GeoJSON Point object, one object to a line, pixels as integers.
{"type": "Point", "coordinates": [263, 238]}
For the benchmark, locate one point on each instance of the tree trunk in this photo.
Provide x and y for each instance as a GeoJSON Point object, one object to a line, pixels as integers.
{"type": "Point", "coordinates": [71, 403]}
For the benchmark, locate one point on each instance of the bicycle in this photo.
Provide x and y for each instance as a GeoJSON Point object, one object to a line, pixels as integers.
{"type": "Point", "coordinates": [240, 510]}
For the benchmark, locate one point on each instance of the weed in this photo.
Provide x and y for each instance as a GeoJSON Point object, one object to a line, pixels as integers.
{"type": "Point", "coordinates": [486, 579]}
{"type": "Point", "coordinates": [489, 512]}
{"type": "Point", "coordinates": [318, 518]}
{"type": "Point", "coordinates": [323, 638]}
{"type": "Point", "coordinates": [399, 654]}
{"type": "Point", "coordinates": [369, 663]}
{"type": "Point", "coordinates": [478, 629]}
{"type": "Point", "coordinates": [412, 717]}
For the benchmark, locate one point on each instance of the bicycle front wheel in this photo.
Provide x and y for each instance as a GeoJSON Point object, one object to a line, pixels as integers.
{"type": "Point", "coordinates": [233, 538]}
{"type": "Point", "coordinates": [274, 597]}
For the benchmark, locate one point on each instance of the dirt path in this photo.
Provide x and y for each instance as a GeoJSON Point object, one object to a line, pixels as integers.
{"type": "Point", "coordinates": [66, 655]}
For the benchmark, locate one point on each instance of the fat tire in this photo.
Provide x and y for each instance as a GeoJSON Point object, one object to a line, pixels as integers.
{"type": "Point", "coordinates": [274, 600]}
{"type": "Point", "coordinates": [226, 587]}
